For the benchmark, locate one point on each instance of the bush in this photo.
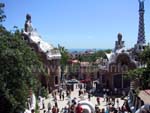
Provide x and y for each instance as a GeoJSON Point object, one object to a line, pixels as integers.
{"type": "Point", "coordinates": [44, 92]}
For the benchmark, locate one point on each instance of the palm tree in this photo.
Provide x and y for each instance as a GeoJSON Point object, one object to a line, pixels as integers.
{"type": "Point", "coordinates": [64, 59]}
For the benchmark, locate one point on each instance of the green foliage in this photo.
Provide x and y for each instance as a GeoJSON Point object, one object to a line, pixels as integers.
{"type": "Point", "coordinates": [44, 92]}
{"type": "Point", "coordinates": [37, 108]}
{"type": "Point", "coordinates": [2, 16]}
{"type": "Point", "coordinates": [93, 57]}
{"type": "Point", "coordinates": [17, 62]}
{"type": "Point", "coordinates": [64, 55]}
{"type": "Point", "coordinates": [143, 74]}
{"type": "Point", "coordinates": [135, 74]}
{"type": "Point", "coordinates": [64, 59]}
{"type": "Point", "coordinates": [145, 56]}
{"type": "Point", "coordinates": [145, 79]}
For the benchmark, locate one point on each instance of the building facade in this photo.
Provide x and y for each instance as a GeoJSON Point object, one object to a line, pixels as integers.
{"type": "Point", "coordinates": [49, 55]}
{"type": "Point", "coordinates": [121, 59]}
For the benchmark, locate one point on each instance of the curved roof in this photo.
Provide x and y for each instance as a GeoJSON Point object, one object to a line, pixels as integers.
{"type": "Point", "coordinates": [43, 46]}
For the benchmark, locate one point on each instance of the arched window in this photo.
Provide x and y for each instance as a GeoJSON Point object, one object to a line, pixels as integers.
{"type": "Point", "coordinates": [56, 79]}
{"type": "Point", "coordinates": [113, 68]}
{"type": "Point", "coordinates": [124, 68]}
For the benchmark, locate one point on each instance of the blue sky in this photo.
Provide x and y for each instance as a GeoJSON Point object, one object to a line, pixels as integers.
{"type": "Point", "coordinates": [80, 23]}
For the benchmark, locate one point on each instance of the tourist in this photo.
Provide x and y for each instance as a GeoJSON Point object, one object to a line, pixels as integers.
{"type": "Point", "coordinates": [43, 104]}
{"type": "Point", "coordinates": [98, 100]}
{"type": "Point", "coordinates": [67, 93]}
{"type": "Point", "coordinates": [103, 110]}
{"type": "Point", "coordinates": [117, 101]}
{"type": "Point", "coordinates": [44, 111]}
{"type": "Point", "coordinates": [48, 111]}
{"type": "Point", "coordinates": [54, 109]}
{"type": "Point", "coordinates": [79, 108]}
{"type": "Point", "coordinates": [69, 102]}
{"type": "Point", "coordinates": [65, 109]}
{"type": "Point", "coordinates": [40, 103]}
{"type": "Point", "coordinates": [104, 97]}
{"type": "Point", "coordinates": [97, 110]}
{"type": "Point", "coordinates": [49, 106]}
{"type": "Point", "coordinates": [74, 101]}
{"type": "Point", "coordinates": [89, 96]}
{"type": "Point", "coordinates": [63, 95]}
{"type": "Point", "coordinates": [56, 105]}
{"type": "Point", "coordinates": [107, 110]}
{"type": "Point", "coordinates": [60, 95]}
{"type": "Point", "coordinates": [32, 111]}
{"type": "Point", "coordinates": [71, 110]}
{"type": "Point", "coordinates": [79, 92]}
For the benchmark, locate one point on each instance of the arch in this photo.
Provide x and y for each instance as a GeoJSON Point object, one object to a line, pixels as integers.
{"type": "Point", "coordinates": [56, 80]}
{"type": "Point", "coordinates": [123, 58]}
{"type": "Point", "coordinates": [113, 67]}
{"type": "Point", "coordinates": [117, 81]}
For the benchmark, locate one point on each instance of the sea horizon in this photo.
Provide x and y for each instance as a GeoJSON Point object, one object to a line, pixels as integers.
{"type": "Point", "coordinates": [84, 49]}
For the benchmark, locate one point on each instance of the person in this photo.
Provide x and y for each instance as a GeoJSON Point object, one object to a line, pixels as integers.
{"type": "Point", "coordinates": [89, 96]}
{"type": "Point", "coordinates": [107, 110]}
{"type": "Point", "coordinates": [103, 110]}
{"type": "Point", "coordinates": [74, 101]}
{"type": "Point", "coordinates": [79, 108]}
{"type": "Point", "coordinates": [43, 104]}
{"type": "Point", "coordinates": [98, 100]}
{"type": "Point", "coordinates": [60, 95]}
{"type": "Point", "coordinates": [66, 109]}
{"type": "Point", "coordinates": [97, 110]}
{"type": "Point", "coordinates": [49, 106]}
{"type": "Point", "coordinates": [54, 110]}
{"type": "Point", "coordinates": [56, 105]}
{"type": "Point", "coordinates": [117, 101]}
{"type": "Point", "coordinates": [63, 95]}
{"type": "Point", "coordinates": [48, 111]}
{"type": "Point", "coordinates": [104, 97]}
{"type": "Point", "coordinates": [44, 111]}
{"type": "Point", "coordinates": [69, 102]}
{"type": "Point", "coordinates": [32, 111]}
{"type": "Point", "coordinates": [40, 103]}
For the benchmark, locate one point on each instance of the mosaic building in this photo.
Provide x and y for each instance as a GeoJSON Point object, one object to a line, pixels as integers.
{"type": "Point", "coordinates": [49, 55]}
{"type": "Point", "coordinates": [121, 59]}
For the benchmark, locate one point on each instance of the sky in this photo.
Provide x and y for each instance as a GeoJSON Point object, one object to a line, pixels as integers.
{"type": "Point", "coordinates": [80, 23]}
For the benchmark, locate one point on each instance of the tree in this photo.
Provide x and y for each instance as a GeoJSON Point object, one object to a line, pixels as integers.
{"type": "Point", "coordinates": [93, 57]}
{"type": "Point", "coordinates": [2, 15]}
{"type": "Point", "coordinates": [2, 18]}
{"type": "Point", "coordinates": [142, 74]}
{"type": "Point", "coordinates": [64, 59]}
{"type": "Point", "coordinates": [145, 59]}
{"type": "Point", "coordinates": [17, 62]}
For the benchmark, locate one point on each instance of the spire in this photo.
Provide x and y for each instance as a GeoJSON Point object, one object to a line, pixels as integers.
{"type": "Point", "coordinates": [141, 5]}
{"type": "Point", "coordinates": [141, 30]}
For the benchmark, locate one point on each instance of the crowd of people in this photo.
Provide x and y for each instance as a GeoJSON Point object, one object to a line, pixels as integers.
{"type": "Point", "coordinates": [73, 105]}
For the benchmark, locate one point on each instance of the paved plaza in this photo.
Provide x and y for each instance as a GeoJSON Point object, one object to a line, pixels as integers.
{"type": "Point", "coordinates": [74, 94]}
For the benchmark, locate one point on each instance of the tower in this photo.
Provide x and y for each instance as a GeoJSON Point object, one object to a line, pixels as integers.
{"type": "Point", "coordinates": [141, 30]}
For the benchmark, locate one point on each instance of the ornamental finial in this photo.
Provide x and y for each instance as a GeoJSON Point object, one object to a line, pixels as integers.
{"type": "Point", "coordinates": [141, 5]}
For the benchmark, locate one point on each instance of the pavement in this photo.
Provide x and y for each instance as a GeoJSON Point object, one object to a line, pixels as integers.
{"type": "Point", "coordinates": [62, 104]}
